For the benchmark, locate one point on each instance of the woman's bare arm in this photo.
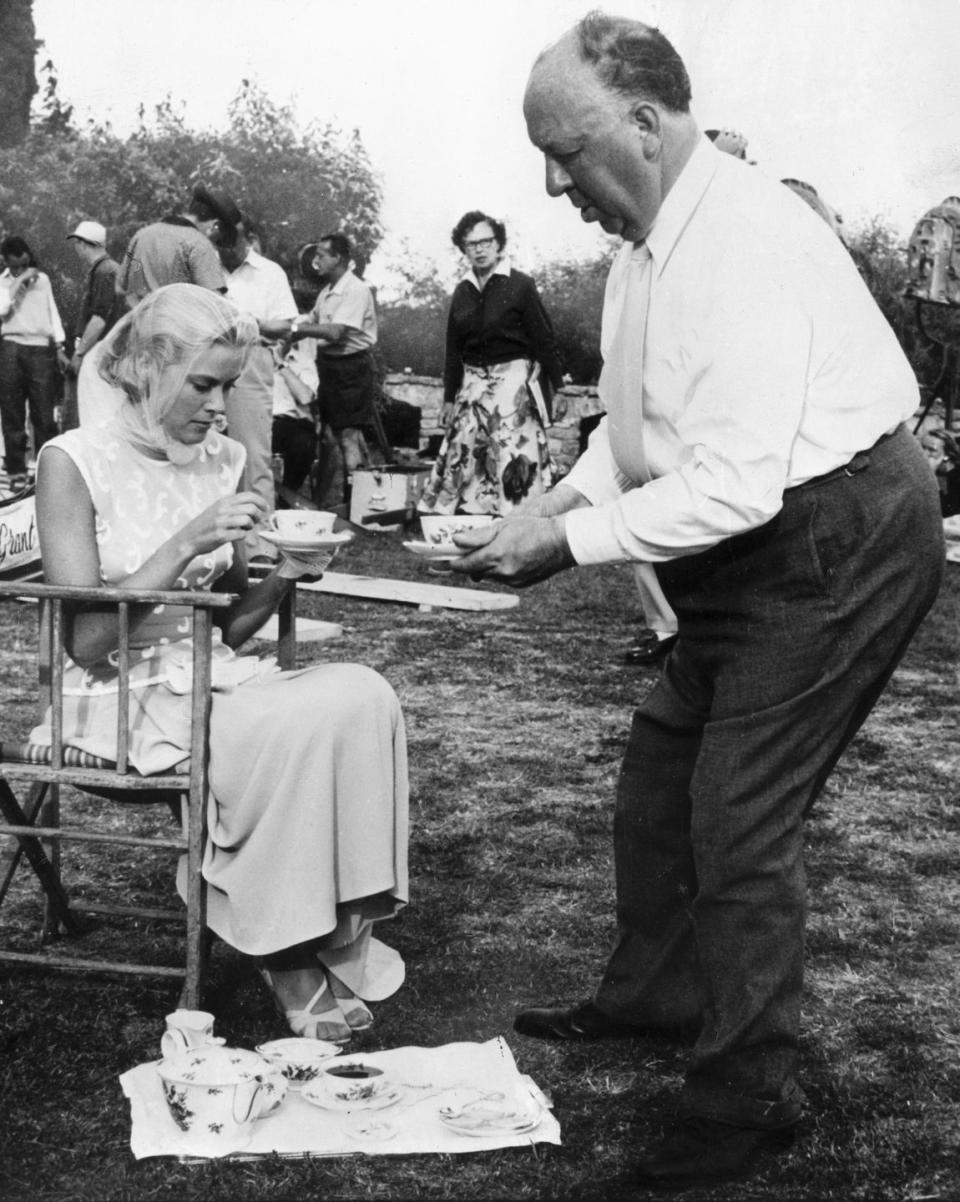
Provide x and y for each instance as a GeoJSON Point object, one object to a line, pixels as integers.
{"type": "Point", "coordinates": [67, 525]}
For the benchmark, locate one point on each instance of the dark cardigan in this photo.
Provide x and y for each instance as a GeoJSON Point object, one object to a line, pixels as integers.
{"type": "Point", "coordinates": [505, 321]}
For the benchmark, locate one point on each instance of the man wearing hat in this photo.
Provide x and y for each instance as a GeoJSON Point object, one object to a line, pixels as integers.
{"type": "Point", "coordinates": [181, 248]}
{"type": "Point", "coordinates": [99, 309]}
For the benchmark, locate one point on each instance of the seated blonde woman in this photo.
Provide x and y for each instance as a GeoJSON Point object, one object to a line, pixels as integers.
{"type": "Point", "coordinates": [308, 812]}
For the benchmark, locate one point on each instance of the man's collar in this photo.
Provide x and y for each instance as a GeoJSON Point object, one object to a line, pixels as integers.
{"type": "Point", "coordinates": [681, 201]}
{"type": "Point", "coordinates": [336, 286]}
{"type": "Point", "coordinates": [252, 260]}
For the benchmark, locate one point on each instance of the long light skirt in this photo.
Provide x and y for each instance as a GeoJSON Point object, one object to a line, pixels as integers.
{"type": "Point", "coordinates": [308, 818]}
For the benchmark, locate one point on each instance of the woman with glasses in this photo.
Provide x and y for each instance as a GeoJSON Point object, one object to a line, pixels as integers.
{"type": "Point", "coordinates": [500, 373]}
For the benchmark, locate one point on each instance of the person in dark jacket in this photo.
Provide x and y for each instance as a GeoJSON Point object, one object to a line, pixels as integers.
{"type": "Point", "coordinates": [501, 370]}
{"type": "Point", "coordinates": [100, 308]}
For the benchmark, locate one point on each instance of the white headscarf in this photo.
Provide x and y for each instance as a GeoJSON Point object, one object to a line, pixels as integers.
{"type": "Point", "coordinates": [150, 352]}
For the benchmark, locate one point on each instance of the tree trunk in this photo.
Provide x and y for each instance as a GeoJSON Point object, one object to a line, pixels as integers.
{"type": "Point", "coordinates": [18, 80]}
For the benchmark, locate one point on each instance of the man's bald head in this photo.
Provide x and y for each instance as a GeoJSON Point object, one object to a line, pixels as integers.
{"type": "Point", "coordinates": [609, 106]}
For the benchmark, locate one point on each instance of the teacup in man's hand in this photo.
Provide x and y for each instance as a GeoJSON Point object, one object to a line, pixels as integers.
{"type": "Point", "coordinates": [518, 551]}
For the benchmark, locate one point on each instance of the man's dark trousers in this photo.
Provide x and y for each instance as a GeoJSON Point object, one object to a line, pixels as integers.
{"type": "Point", "coordinates": [788, 635]}
{"type": "Point", "coordinates": [27, 373]}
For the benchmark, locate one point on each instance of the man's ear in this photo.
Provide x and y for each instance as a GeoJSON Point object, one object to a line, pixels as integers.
{"type": "Point", "coordinates": [648, 123]}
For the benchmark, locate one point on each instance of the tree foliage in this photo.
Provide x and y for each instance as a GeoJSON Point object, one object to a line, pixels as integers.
{"type": "Point", "coordinates": [413, 323]}
{"type": "Point", "coordinates": [572, 293]}
{"type": "Point", "coordinates": [295, 183]}
{"type": "Point", "coordinates": [881, 258]}
{"type": "Point", "coordinates": [18, 81]}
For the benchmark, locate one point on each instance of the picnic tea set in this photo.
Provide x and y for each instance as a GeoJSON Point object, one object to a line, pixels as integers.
{"type": "Point", "coordinates": [220, 1091]}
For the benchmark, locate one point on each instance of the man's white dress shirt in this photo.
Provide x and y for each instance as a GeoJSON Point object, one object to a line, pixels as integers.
{"type": "Point", "coordinates": [765, 362]}
{"type": "Point", "coordinates": [260, 287]}
{"type": "Point", "coordinates": [35, 319]}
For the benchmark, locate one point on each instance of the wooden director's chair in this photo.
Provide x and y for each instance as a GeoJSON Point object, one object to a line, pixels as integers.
{"type": "Point", "coordinates": [39, 771]}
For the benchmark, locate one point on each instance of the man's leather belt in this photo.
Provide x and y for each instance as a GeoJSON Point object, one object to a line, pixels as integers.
{"type": "Point", "coordinates": [857, 464]}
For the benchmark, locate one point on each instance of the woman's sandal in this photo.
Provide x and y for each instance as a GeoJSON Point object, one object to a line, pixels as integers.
{"type": "Point", "coordinates": [330, 1024]}
{"type": "Point", "coordinates": [357, 1015]}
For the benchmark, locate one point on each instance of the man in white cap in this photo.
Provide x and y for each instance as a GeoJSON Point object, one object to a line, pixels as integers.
{"type": "Point", "coordinates": [99, 308]}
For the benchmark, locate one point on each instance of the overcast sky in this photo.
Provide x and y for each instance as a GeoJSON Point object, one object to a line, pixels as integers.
{"type": "Point", "coordinates": [860, 97]}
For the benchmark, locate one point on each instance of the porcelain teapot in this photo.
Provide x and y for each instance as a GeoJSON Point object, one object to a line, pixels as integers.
{"type": "Point", "coordinates": [219, 1092]}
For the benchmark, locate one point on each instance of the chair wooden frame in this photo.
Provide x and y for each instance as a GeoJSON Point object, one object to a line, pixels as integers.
{"type": "Point", "coordinates": [35, 821]}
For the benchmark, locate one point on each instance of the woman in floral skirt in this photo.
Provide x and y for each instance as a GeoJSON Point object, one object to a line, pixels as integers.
{"type": "Point", "coordinates": [501, 370]}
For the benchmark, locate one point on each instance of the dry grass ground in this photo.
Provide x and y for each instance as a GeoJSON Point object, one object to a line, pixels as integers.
{"type": "Point", "coordinates": [515, 724]}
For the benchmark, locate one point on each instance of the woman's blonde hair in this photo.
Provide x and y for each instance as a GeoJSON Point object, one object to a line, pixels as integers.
{"type": "Point", "coordinates": [149, 353]}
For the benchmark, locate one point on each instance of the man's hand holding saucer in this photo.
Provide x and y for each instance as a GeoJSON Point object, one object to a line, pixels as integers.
{"type": "Point", "coordinates": [519, 551]}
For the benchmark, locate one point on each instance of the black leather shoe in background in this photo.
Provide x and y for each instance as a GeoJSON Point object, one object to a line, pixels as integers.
{"type": "Point", "coordinates": [584, 1021]}
{"type": "Point", "coordinates": [698, 1151]}
{"type": "Point", "coordinates": [649, 648]}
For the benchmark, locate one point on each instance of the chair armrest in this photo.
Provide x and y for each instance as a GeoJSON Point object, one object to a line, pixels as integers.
{"type": "Point", "coordinates": [133, 596]}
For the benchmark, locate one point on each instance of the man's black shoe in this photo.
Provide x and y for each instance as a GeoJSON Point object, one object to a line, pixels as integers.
{"type": "Point", "coordinates": [584, 1021]}
{"type": "Point", "coordinates": [699, 1151]}
{"type": "Point", "coordinates": [649, 648]}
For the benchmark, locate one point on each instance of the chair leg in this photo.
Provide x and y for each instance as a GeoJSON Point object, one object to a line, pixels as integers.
{"type": "Point", "coordinates": [10, 860]}
{"type": "Point", "coordinates": [191, 992]}
{"type": "Point", "coordinates": [46, 873]}
{"type": "Point", "coordinates": [198, 943]}
{"type": "Point", "coordinates": [50, 816]}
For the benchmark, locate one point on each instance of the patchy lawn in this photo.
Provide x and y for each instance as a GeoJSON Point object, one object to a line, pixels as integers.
{"type": "Point", "coordinates": [515, 722]}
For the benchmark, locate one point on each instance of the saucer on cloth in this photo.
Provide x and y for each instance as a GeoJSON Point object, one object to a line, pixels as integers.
{"type": "Point", "coordinates": [373, 1129]}
{"type": "Point", "coordinates": [483, 1113]}
{"type": "Point", "coordinates": [436, 551]}
{"type": "Point", "coordinates": [307, 542]}
{"type": "Point", "coordinates": [312, 1092]}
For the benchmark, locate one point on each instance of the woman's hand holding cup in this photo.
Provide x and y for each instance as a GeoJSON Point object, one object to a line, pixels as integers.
{"type": "Point", "coordinates": [225, 521]}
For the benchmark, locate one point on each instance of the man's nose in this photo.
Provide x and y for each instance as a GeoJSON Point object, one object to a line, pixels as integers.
{"type": "Point", "coordinates": [558, 179]}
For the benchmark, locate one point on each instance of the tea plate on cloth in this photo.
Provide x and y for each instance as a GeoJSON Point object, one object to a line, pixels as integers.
{"type": "Point", "coordinates": [430, 1079]}
{"type": "Point", "coordinates": [477, 1112]}
{"type": "Point", "coordinates": [375, 1130]}
{"type": "Point", "coordinates": [312, 1092]}
{"type": "Point", "coordinates": [308, 542]}
{"type": "Point", "coordinates": [436, 551]}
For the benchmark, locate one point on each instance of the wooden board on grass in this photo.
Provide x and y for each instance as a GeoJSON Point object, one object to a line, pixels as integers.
{"type": "Point", "coordinates": [309, 630]}
{"type": "Point", "coordinates": [410, 592]}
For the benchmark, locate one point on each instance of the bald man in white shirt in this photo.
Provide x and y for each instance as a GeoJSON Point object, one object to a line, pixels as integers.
{"type": "Point", "coordinates": [754, 451]}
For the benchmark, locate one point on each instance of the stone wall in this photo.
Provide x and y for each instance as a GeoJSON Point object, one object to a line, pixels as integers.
{"type": "Point", "coordinates": [426, 392]}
